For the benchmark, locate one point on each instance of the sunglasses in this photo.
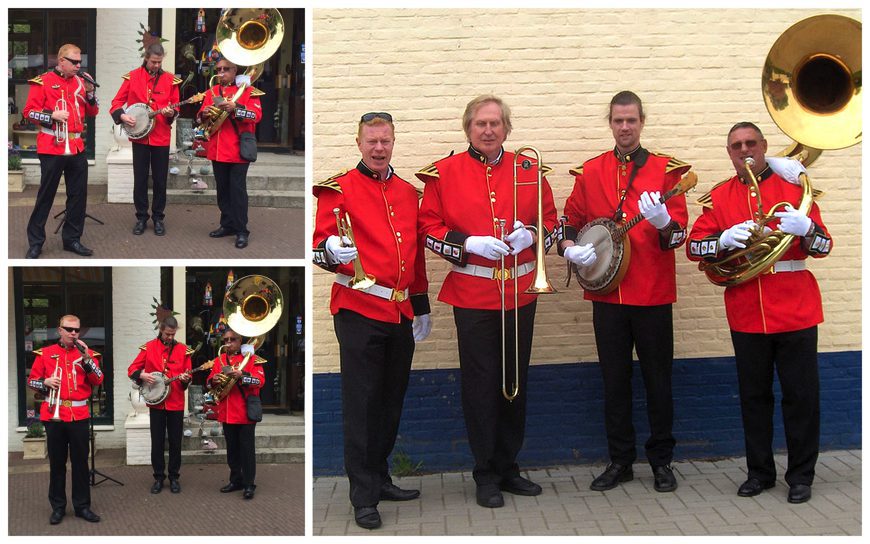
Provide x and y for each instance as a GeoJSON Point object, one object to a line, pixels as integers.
{"type": "Point", "coordinates": [376, 115]}
{"type": "Point", "coordinates": [71, 329]}
{"type": "Point", "coordinates": [220, 69]}
{"type": "Point", "coordinates": [73, 61]}
{"type": "Point", "coordinates": [228, 340]}
{"type": "Point", "coordinates": [737, 146]}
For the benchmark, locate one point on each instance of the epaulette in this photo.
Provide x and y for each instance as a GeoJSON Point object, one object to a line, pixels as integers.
{"type": "Point", "coordinates": [126, 76]}
{"type": "Point", "coordinates": [176, 80]}
{"type": "Point", "coordinates": [257, 92]}
{"type": "Point", "coordinates": [96, 354]}
{"type": "Point", "coordinates": [259, 360]}
{"type": "Point", "coordinates": [142, 347]}
{"type": "Point", "coordinates": [706, 200]}
{"type": "Point", "coordinates": [332, 182]}
{"type": "Point", "coordinates": [38, 352]}
{"type": "Point", "coordinates": [673, 163]}
{"type": "Point", "coordinates": [36, 81]}
{"type": "Point", "coordinates": [576, 171]}
{"type": "Point", "coordinates": [190, 351]}
{"type": "Point", "coordinates": [545, 170]}
{"type": "Point", "coordinates": [430, 171]}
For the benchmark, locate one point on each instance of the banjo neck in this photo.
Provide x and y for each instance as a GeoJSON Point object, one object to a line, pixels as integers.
{"type": "Point", "coordinates": [195, 98]}
{"type": "Point", "coordinates": [206, 366]}
{"type": "Point", "coordinates": [689, 181]}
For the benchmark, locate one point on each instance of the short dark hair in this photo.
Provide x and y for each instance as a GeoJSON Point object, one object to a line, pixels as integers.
{"type": "Point", "coordinates": [154, 49]}
{"type": "Point", "coordinates": [745, 124]}
{"type": "Point", "coordinates": [625, 98]}
{"type": "Point", "coordinates": [169, 323]}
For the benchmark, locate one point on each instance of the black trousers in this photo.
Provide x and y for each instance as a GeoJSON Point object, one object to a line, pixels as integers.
{"type": "Point", "coordinates": [375, 367]}
{"type": "Point", "coordinates": [794, 354]}
{"type": "Point", "coordinates": [241, 456]}
{"type": "Point", "coordinates": [650, 331]}
{"type": "Point", "coordinates": [496, 427]}
{"type": "Point", "coordinates": [155, 158]}
{"type": "Point", "coordinates": [163, 421]}
{"type": "Point", "coordinates": [232, 194]}
{"type": "Point", "coordinates": [71, 438]}
{"type": "Point", "coordinates": [74, 168]}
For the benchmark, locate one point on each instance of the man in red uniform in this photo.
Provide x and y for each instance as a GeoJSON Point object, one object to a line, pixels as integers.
{"type": "Point", "coordinates": [70, 369]}
{"type": "Point", "coordinates": [171, 359]}
{"type": "Point", "coordinates": [149, 85]}
{"type": "Point", "coordinates": [620, 184]}
{"type": "Point", "coordinates": [466, 198]}
{"type": "Point", "coordinates": [239, 431]}
{"type": "Point", "coordinates": [57, 97]}
{"type": "Point", "coordinates": [230, 169]}
{"type": "Point", "coordinates": [376, 326]}
{"type": "Point", "coordinates": [773, 317]}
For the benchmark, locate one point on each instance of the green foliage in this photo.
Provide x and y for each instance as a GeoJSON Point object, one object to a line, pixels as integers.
{"type": "Point", "coordinates": [14, 161]}
{"type": "Point", "coordinates": [35, 430]}
{"type": "Point", "coordinates": [403, 465]}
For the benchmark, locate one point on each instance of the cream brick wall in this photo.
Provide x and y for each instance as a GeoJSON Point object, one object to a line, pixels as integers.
{"type": "Point", "coordinates": [697, 71]}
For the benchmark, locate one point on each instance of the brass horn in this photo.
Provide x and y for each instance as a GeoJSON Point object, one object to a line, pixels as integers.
{"type": "Point", "coordinates": [811, 83]}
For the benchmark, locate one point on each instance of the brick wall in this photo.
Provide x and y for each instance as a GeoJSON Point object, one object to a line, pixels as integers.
{"type": "Point", "coordinates": [696, 71]}
{"type": "Point", "coordinates": [566, 420]}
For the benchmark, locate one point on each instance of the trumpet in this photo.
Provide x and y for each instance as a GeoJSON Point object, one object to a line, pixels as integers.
{"type": "Point", "coordinates": [54, 394]}
{"type": "Point", "coordinates": [361, 280]}
{"type": "Point", "coordinates": [61, 131]}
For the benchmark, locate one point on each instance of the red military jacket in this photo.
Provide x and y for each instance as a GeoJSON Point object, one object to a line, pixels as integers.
{"type": "Point", "coordinates": [153, 356]}
{"type": "Point", "coordinates": [466, 196]}
{"type": "Point", "coordinates": [157, 91]}
{"type": "Point", "coordinates": [46, 92]}
{"type": "Point", "coordinates": [223, 146]}
{"type": "Point", "coordinates": [383, 215]}
{"type": "Point", "coordinates": [768, 303]}
{"type": "Point", "coordinates": [233, 409]}
{"type": "Point", "coordinates": [77, 378]}
{"type": "Point", "coordinates": [599, 184]}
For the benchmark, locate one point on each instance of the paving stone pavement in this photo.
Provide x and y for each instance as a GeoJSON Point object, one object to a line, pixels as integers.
{"type": "Point", "coordinates": [706, 503]}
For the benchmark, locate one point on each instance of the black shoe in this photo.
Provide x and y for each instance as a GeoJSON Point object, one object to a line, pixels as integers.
{"type": "Point", "coordinates": [87, 515]}
{"type": "Point", "coordinates": [665, 480]}
{"type": "Point", "coordinates": [57, 516]}
{"type": "Point", "coordinates": [230, 487]}
{"type": "Point", "coordinates": [241, 241]}
{"type": "Point", "coordinates": [799, 493]}
{"type": "Point", "coordinates": [76, 247]}
{"type": "Point", "coordinates": [157, 487]}
{"type": "Point", "coordinates": [220, 232]}
{"type": "Point", "coordinates": [249, 491]}
{"type": "Point", "coordinates": [612, 476]}
{"type": "Point", "coordinates": [390, 492]}
{"type": "Point", "coordinates": [367, 517]}
{"type": "Point", "coordinates": [489, 496]}
{"type": "Point", "coordinates": [159, 227]}
{"type": "Point", "coordinates": [174, 486]}
{"type": "Point", "coordinates": [139, 228]}
{"type": "Point", "coordinates": [520, 486]}
{"type": "Point", "coordinates": [753, 487]}
{"type": "Point", "coordinates": [33, 252]}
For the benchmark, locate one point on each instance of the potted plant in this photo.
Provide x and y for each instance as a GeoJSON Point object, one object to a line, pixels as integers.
{"type": "Point", "coordinates": [34, 440]}
{"type": "Point", "coordinates": [16, 173]}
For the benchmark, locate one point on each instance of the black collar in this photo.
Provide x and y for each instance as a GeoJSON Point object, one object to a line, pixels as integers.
{"type": "Point", "coordinates": [638, 155]}
{"type": "Point", "coordinates": [763, 175]}
{"type": "Point", "coordinates": [371, 173]}
{"type": "Point", "coordinates": [480, 157]}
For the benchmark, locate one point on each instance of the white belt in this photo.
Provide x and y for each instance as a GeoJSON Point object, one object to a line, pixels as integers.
{"type": "Point", "coordinates": [493, 273]}
{"type": "Point", "coordinates": [72, 135]}
{"type": "Point", "coordinates": [69, 403]}
{"type": "Point", "coordinates": [787, 266]}
{"type": "Point", "coordinates": [377, 290]}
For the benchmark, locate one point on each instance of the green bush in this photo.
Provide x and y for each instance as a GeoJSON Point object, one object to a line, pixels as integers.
{"type": "Point", "coordinates": [35, 430]}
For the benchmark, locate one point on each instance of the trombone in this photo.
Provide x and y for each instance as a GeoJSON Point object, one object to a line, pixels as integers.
{"type": "Point", "coordinates": [61, 131]}
{"type": "Point", "coordinates": [361, 280]}
{"type": "Point", "coordinates": [54, 394]}
{"type": "Point", "coordinates": [540, 283]}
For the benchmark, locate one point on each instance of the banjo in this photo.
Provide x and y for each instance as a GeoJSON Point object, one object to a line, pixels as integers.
{"type": "Point", "coordinates": [156, 392]}
{"type": "Point", "coordinates": [613, 247]}
{"type": "Point", "coordinates": [144, 116]}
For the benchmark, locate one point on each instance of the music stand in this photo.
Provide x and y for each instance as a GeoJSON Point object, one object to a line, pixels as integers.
{"type": "Point", "coordinates": [59, 225]}
{"type": "Point", "coordinates": [93, 473]}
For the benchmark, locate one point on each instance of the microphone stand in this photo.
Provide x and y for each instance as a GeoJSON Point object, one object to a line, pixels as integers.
{"type": "Point", "coordinates": [93, 440]}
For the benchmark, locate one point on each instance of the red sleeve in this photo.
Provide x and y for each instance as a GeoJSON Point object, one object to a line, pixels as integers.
{"type": "Point", "coordinates": [35, 109]}
{"type": "Point", "coordinates": [174, 97]}
{"type": "Point", "coordinates": [575, 206]}
{"type": "Point", "coordinates": [550, 218]}
{"type": "Point", "coordinates": [137, 364]}
{"type": "Point", "coordinates": [95, 378]}
{"type": "Point", "coordinates": [324, 224]}
{"type": "Point", "coordinates": [420, 283]}
{"type": "Point", "coordinates": [704, 238]}
{"type": "Point", "coordinates": [430, 217]}
{"type": "Point", "coordinates": [37, 375]}
{"type": "Point", "coordinates": [251, 111]}
{"type": "Point", "coordinates": [256, 372]}
{"type": "Point", "coordinates": [121, 97]}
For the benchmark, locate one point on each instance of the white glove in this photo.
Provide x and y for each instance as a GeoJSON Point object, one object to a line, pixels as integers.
{"type": "Point", "coordinates": [520, 238]}
{"type": "Point", "coordinates": [788, 169]}
{"type": "Point", "coordinates": [246, 349]}
{"type": "Point", "coordinates": [581, 255]}
{"type": "Point", "coordinates": [791, 221]}
{"type": "Point", "coordinates": [653, 210]}
{"type": "Point", "coordinates": [243, 78]}
{"type": "Point", "coordinates": [421, 327]}
{"type": "Point", "coordinates": [339, 252]}
{"type": "Point", "coordinates": [736, 235]}
{"type": "Point", "coordinates": [488, 247]}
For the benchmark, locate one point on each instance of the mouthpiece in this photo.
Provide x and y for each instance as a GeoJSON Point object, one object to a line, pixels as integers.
{"type": "Point", "coordinates": [750, 162]}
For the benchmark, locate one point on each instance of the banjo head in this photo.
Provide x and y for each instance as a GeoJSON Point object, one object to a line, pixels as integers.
{"type": "Point", "coordinates": [144, 123]}
{"type": "Point", "coordinates": [603, 275]}
{"type": "Point", "coordinates": [156, 392]}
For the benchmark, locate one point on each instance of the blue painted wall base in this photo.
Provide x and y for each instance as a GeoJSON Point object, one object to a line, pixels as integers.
{"type": "Point", "coordinates": [565, 421]}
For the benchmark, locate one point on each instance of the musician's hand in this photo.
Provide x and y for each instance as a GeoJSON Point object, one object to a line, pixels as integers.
{"type": "Point", "coordinates": [60, 115]}
{"type": "Point", "coordinates": [245, 349]}
{"type": "Point", "coordinates": [795, 222]}
{"type": "Point", "coordinates": [52, 383]}
{"type": "Point", "coordinates": [520, 239]}
{"type": "Point", "coordinates": [488, 247]}
{"type": "Point", "coordinates": [147, 378]}
{"type": "Point", "coordinates": [168, 112]}
{"type": "Point", "coordinates": [788, 169]}
{"type": "Point", "coordinates": [734, 236]}
{"type": "Point", "coordinates": [340, 250]}
{"type": "Point", "coordinates": [421, 327]}
{"type": "Point", "coordinates": [235, 373]}
{"type": "Point", "coordinates": [653, 209]}
{"type": "Point", "coordinates": [210, 112]}
{"type": "Point", "coordinates": [227, 106]}
{"type": "Point", "coordinates": [185, 377]}
{"type": "Point", "coordinates": [581, 255]}
{"type": "Point", "coordinates": [128, 120]}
